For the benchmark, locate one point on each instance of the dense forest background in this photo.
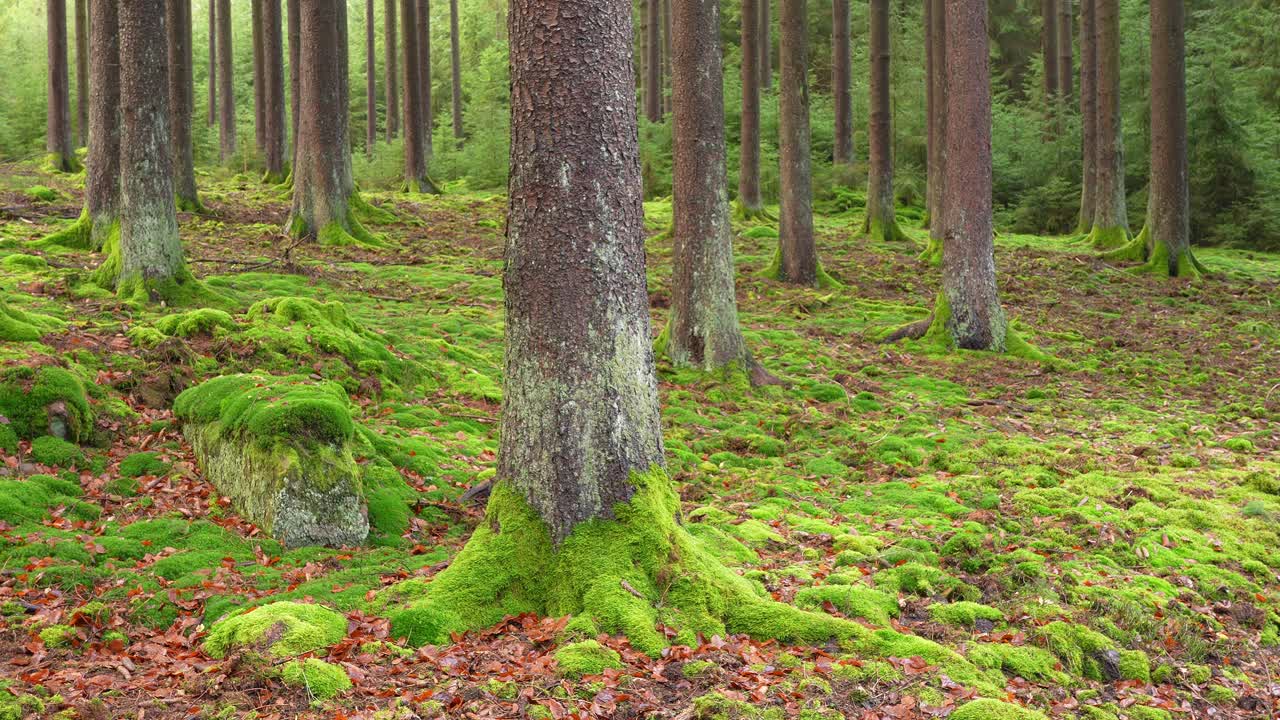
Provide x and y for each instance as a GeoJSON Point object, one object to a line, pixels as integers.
{"type": "Point", "coordinates": [1233, 85]}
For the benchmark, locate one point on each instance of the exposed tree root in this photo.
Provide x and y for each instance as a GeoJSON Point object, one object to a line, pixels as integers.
{"type": "Point", "coordinates": [744, 213]}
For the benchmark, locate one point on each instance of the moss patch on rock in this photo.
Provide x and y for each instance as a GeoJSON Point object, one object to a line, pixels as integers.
{"type": "Point", "coordinates": [45, 400]}
{"type": "Point", "coordinates": [323, 680]}
{"type": "Point", "coordinates": [281, 629]}
{"type": "Point", "coordinates": [588, 657]}
{"type": "Point", "coordinates": [987, 709]}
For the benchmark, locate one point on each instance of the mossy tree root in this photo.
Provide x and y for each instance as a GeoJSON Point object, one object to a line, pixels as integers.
{"type": "Point", "coordinates": [773, 271]}
{"type": "Point", "coordinates": [886, 232]}
{"type": "Point", "coordinates": [932, 252]}
{"type": "Point", "coordinates": [191, 205]}
{"type": "Point", "coordinates": [63, 164]}
{"type": "Point", "coordinates": [935, 334]}
{"type": "Point", "coordinates": [1163, 264]}
{"type": "Point", "coordinates": [367, 212]}
{"type": "Point", "coordinates": [426, 186]}
{"type": "Point", "coordinates": [78, 235]}
{"type": "Point", "coordinates": [744, 213]}
{"type": "Point", "coordinates": [282, 180]}
{"type": "Point", "coordinates": [1133, 251]}
{"type": "Point", "coordinates": [1108, 238]}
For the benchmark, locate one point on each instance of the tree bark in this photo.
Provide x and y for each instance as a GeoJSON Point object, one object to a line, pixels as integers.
{"type": "Point", "coordinates": [1066, 85]}
{"type": "Point", "coordinates": [259, 82]}
{"type": "Point", "coordinates": [227, 112]}
{"type": "Point", "coordinates": [797, 260]}
{"type": "Point", "coordinates": [416, 179]}
{"type": "Point", "coordinates": [969, 306]}
{"type": "Point", "coordinates": [213, 62]}
{"type": "Point", "coordinates": [842, 81]}
{"type": "Point", "coordinates": [1110, 219]}
{"type": "Point", "coordinates": [273, 76]}
{"type": "Point", "coordinates": [1170, 202]}
{"type": "Point", "coordinates": [1049, 52]}
{"type": "Point", "coordinates": [370, 80]}
{"type": "Point", "coordinates": [62, 155]}
{"type": "Point", "coordinates": [749, 203]}
{"type": "Point", "coordinates": [178, 23]}
{"type": "Point", "coordinates": [938, 128]}
{"type": "Point", "coordinates": [82, 72]}
{"type": "Point", "coordinates": [1088, 115]}
{"type": "Point", "coordinates": [703, 330]}
{"type": "Point", "coordinates": [580, 403]}
{"type": "Point", "coordinates": [295, 76]}
{"type": "Point", "coordinates": [102, 181]}
{"type": "Point", "coordinates": [455, 53]}
{"type": "Point", "coordinates": [392, 77]}
{"type": "Point", "coordinates": [880, 222]}
{"type": "Point", "coordinates": [424, 63]}
{"type": "Point", "coordinates": [765, 35]}
{"type": "Point", "coordinates": [653, 63]}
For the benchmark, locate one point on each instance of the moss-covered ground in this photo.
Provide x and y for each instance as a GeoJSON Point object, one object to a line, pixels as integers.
{"type": "Point", "coordinates": [1088, 535]}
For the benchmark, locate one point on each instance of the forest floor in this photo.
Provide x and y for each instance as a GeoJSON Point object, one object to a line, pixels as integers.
{"type": "Point", "coordinates": [1093, 536]}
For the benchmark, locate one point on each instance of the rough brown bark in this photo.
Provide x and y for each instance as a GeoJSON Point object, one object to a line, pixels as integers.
{"type": "Point", "coordinates": [653, 62]}
{"type": "Point", "coordinates": [82, 72]}
{"type": "Point", "coordinates": [580, 402]}
{"type": "Point", "coordinates": [178, 23]}
{"type": "Point", "coordinates": [415, 152]}
{"type": "Point", "coordinates": [798, 258]}
{"type": "Point", "coordinates": [370, 81]}
{"type": "Point", "coordinates": [392, 69]}
{"type": "Point", "coordinates": [1049, 51]}
{"type": "Point", "coordinates": [765, 35]}
{"type": "Point", "coordinates": [1088, 115]}
{"type": "Point", "coordinates": [102, 181]}
{"type": "Point", "coordinates": [424, 63]}
{"type": "Point", "coordinates": [1110, 218]}
{"type": "Point", "coordinates": [1170, 204]}
{"type": "Point", "coordinates": [666, 57]}
{"type": "Point", "coordinates": [62, 155]}
{"type": "Point", "coordinates": [213, 62]}
{"type": "Point", "coordinates": [273, 77]}
{"type": "Point", "coordinates": [938, 115]}
{"type": "Point", "coordinates": [880, 221]}
{"type": "Point", "coordinates": [295, 75]}
{"type": "Point", "coordinates": [842, 81]}
{"type": "Point", "coordinates": [749, 202]}
{"type": "Point", "coordinates": [226, 93]}
{"type": "Point", "coordinates": [1066, 85]}
{"type": "Point", "coordinates": [455, 53]}
{"type": "Point", "coordinates": [703, 330]}
{"type": "Point", "coordinates": [259, 82]}
{"type": "Point", "coordinates": [970, 302]}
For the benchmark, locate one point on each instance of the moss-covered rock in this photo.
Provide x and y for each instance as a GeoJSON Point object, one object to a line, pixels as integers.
{"type": "Point", "coordinates": [586, 658]}
{"type": "Point", "coordinates": [298, 328]}
{"type": "Point", "coordinates": [281, 629]}
{"type": "Point", "coordinates": [964, 613]}
{"type": "Point", "coordinates": [49, 450]}
{"type": "Point", "coordinates": [20, 326]}
{"type": "Point", "coordinates": [200, 321]}
{"type": "Point", "coordinates": [986, 709]}
{"type": "Point", "coordinates": [45, 401]}
{"type": "Point", "coordinates": [714, 706]}
{"type": "Point", "coordinates": [323, 680]}
{"type": "Point", "coordinates": [143, 463]}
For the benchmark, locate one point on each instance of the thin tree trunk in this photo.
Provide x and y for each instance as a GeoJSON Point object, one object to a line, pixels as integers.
{"type": "Point", "coordinates": [653, 63]}
{"type": "Point", "coordinates": [666, 57]}
{"type": "Point", "coordinates": [938, 117]}
{"type": "Point", "coordinates": [82, 72]}
{"type": "Point", "coordinates": [1088, 115]}
{"type": "Point", "coordinates": [102, 181]}
{"type": "Point", "coordinates": [392, 70]}
{"type": "Point", "coordinates": [1170, 202]}
{"type": "Point", "coordinates": [259, 83]}
{"type": "Point", "coordinates": [227, 113]}
{"type": "Point", "coordinates": [749, 202]}
{"type": "Point", "coordinates": [969, 305]}
{"type": "Point", "coordinates": [1049, 52]}
{"type": "Point", "coordinates": [1066, 84]}
{"type": "Point", "coordinates": [424, 62]}
{"type": "Point", "coordinates": [273, 75]}
{"type": "Point", "coordinates": [842, 81]}
{"type": "Point", "coordinates": [213, 62]}
{"type": "Point", "coordinates": [415, 151]}
{"type": "Point", "coordinates": [295, 77]}
{"type": "Point", "coordinates": [880, 222]}
{"type": "Point", "coordinates": [370, 80]}
{"type": "Point", "coordinates": [178, 20]}
{"type": "Point", "coordinates": [797, 260]}
{"type": "Point", "coordinates": [455, 53]}
{"type": "Point", "coordinates": [703, 330]}
{"type": "Point", "coordinates": [1110, 219]}
{"type": "Point", "coordinates": [62, 153]}
{"type": "Point", "coordinates": [765, 36]}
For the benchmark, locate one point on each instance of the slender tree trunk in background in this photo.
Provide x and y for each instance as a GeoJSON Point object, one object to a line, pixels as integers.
{"type": "Point", "coordinates": [938, 127]}
{"type": "Point", "coordinates": [295, 77]}
{"type": "Point", "coordinates": [226, 92]}
{"type": "Point", "coordinates": [1110, 218]}
{"type": "Point", "coordinates": [666, 57]}
{"type": "Point", "coordinates": [765, 35]}
{"type": "Point", "coordinates": [1049, 51]}
{"type": "Point", "coordinates": [102, 181]}
{"type": "Point", "coordinates": [370, 80]}
{"type": "Point", "coordinates": [703, 330]}
{"type": "Point", "coordinates": [750, 205]}
{"type": "Point", "coordinates": [62, 154]}
{"type": "Point", "coordinates": [1066, 66]}
{"type": "Point", "coordinates": [968, 313]}
{"type": "Point", "coordinates": [797, 259]}
{"type": "Point", "coordinates": [392, 76]}
{"type": "Point", "coordinates": [1088, 115]}
{"type": "Point", "coordinates": [147, 263]}
{"type": "Point", "coordinates": [415, 151]}
{"type": "Point", "coordinates": [880, 222]}
{"type": "Point", "coordinates": [842, 81]}
{"type": "Point", "coordinates": [259, 84]}
{"type": "Point", "coordinates": [455, 53]}
{"type": "Point", "coordinates": [82, 72]}
{"type": "Point", "coordinates": [213, 62]}
{"type": "Point", "coordinates": [177, 21]}
{"type": "Point", "coordinates": [273, 74]}
{"type": "Point", "coordinates": [653, 62]}
{"type": "Point", "coordinates": [424, 64]}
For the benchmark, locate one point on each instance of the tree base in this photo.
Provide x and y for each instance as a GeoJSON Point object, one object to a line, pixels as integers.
{"type": "Point", "coordinates": [282, 179]}
{"type": "Point", "coordinates": [1164, 264]}
{"type": "Point", "coordinates": [62, 164]}
{"type": "Point", "coordinates": [367, 212]}
{"type": "Point", "coordinates": [932, 252]}
{"type": "Point", "coordinates": [181, 289]}
{"type": "Point", "coordinates": [1108, 238]}
{"type": "Point", "coordinates": [1133, 251]}
{"type": "Point", "coordinates": [746, 213]}
{"type": "Point", "coordinates": [77, 236]}
{"type": "Point", "coordinates": [191, 205]}
{"type": "Point", "coordinates": [886, 232]}
{"type": "Point", "coordinates": [628, 574]}
{"type": "Point", "coordinates": [934, 334]}
{"type": "Point", "coordinates": [747, 365]}
{"type": "Point", "coordinates": [426, 186]}
{"type": "Point", "coordinates": [348, 232]}
{"type": "Point", "coordinates": [822, 280]}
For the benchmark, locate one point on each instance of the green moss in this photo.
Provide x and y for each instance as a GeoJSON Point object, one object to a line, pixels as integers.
{"type": "Point", "coordinates": [1024, 661]}
{"type": "Point", "coordinates": [1146, 712]}
{"type": "Point", "coordinates": [1199, 674]}
{"type": "Point", "coordinates": [964, 613]}
{"type": "Point", "coordinates": [1134, 665]}
{"type": "Point", "coordinates": [59, 636]}
{"type": "Point", "coordinates": [986, 709]}
{"type": "Point", "coordinates": [1108, 238]}
{"type": "Point", "coordinates": [49, 450]}
{"type": "Point", "coordinates": [42, 193]}
{"type": "Point", "coordinates": [143, 463]}
{"type": "Point", "coordinates": [697, 668]}
{"type": "Point", "coordinates": [265, 409]}
{"type": "Point", "coordinates": [859, 601]}
{"type": "Point", "coordinates": [78, 235]}
{"type": "Point", "coordinates": [715, 706]}
{"type": "Point", "coordinates": [200, 321]}
{"type": "Point", "coordinates": [23, 263]}
{"type": "Point", "coordinates": [587, 657]}
{"type": "Point", "coordinates": [299, 327]}
{"type": "Point", "coordinates": [284, 629]}
{"type": "Point", "coordinates": [8, 439]}
{"type": "Point", "coordinates": [26, 395]}
{"type": "Point", "coordinates": [322, 680]}
{"type": "Point", "coordinates": [20, 326]}
{"type": "Point", "coordinates": [774, 272]}
{"type": "Point", "coordinates": [1076, 646]}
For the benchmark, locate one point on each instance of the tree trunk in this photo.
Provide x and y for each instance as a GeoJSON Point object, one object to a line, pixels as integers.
{"type": "Point", "coordinates": [416, 179]}
{"type": "Point", "coordinates": [1088, 115]}
{"type": "Point", "coordinates": [841, 81]}
{"type": "Point", "coordinates": [370, 80]}
{"type": "Point", "coordinates": [455, 53]}
{"type": "Point", "coordinates": [259, 82]}
{"type": "Point", "coordinates": [424, 63]}
{"type": "Point", "coordinates": [750, 205]}
{"type": "Point", "coordinates": [1110, 218]}
{"type": "Point", "coordinates": [937, 128]}
{"type": "Point", "coordinates": [880, 222]}
{"type": "Point", "coordinates": [227, 113]}
{"type": "Point", "coordinates": [213, 62]}
{"type": "Point", "coordinates": [653, 63]}
{"type": "Point", "coordinates": [1065, 61]}
{"type": "Point", "coordinates": [765, 36]}
{"type": "Point", "coordinates": [273, 75]}
{"type": "Point", "coordinates": [178, 21]}
{"type": "Point", "coordinates": [392, 70]}
{"type": "Point", "coordinates": [1049, 52]}
{"type": "Point", "coordinates": [797, 259]}
{"type": "Point", "coordinates": [666, 57]}
{"type": "Point", "coordinates": [82, 72]}
{"type": "Point", "coordinates": [102, 182]}
{"type": "Point", "coordinates": [295, 77]}
{"type": "Point", "coordinates": [62, 154]}
{"type": "Point", "coordinates": [968, 313]}
{"type": "Point", "coordinates": [146, 264]}
{"type": "Point", "coordinates": [703, 330]}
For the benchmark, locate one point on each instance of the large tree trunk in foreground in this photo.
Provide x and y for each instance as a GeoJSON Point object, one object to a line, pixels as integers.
{"type": "Point", "coordinates": [178, 24]}
{"type": "Point", "coordinates": [273, 76]}
{"type": "Point", "coordinates": [424, 65]}
{"type": "Point", "coordinates": [880, 222]}
{"type": "Point", "coordinates": [1110, 217]}
{"type": "Point", "coordinates": [750, 204]}
{"type": "Point", "coordinates": [653, 62]}
{"type": "Point", "coordinates": [1088, 115]}
{"type": "Point", "coordinates": [455, 52]}
{"type": "Point", "coordinates": [213, 62]}
{"type": "Point", "coordinates": [841, 81]}
{"type": "Point", "coordinates": [937, 99]}
{"type": "Point", "coordinates": [370, 81]}
{"type": "Point", "coordinates": [764, 31]}
{"type": "Point", "coordinates": [392, 70]}
{"type": "Point", "coordinates": [226, 93]}
{"type": "Point", "coordinates": [259, 83]}
{"type": "Point", "coordinates": [82, 72]}
{"type": "Point", "coordinates": [968, 313]}
{"type": "Point", "coordinates": [62, 153]}
{"type": "Point", "coordinates": [415, 150]}
{"type": "Point", "coordinates": [703, 330]}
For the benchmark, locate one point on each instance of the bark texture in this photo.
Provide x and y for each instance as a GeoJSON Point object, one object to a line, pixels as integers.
{"type": "Point", "coordinates": [1110, 218]}
{"type": "Point", "coordinates": [213, 62]}
{"type": "Point", "coordinates": [580, 402]}
{"type": "Point", "coordinates": [969, 307]}
{"type": "Point", "coordinates": [937, 127]}
{"type": "Point", "coordinates": [749, 201]}
{"type": "Point", "coordinates": [415, 151]}
{"type": "Point", "coordinates": [370, 80]}
{"type": "Point", "coordinates": [1170, 213]}
{"type": "Point", "coordinates": [1088, 115]}
{"type": "Point", "coordinates": [82, 72]}
{"type": "Point", "coordinates": [880, 222]}
{"type": "Point", "coordinates": [666, 57]}
{"type": "Point", "coordinates": [455, 52]}
{"type": "Point", "coordinates": [273, 76]}
{"type": "Point", "coordinates": [102, 181]}
{"type": "Point", "coordinates": [424, 64]}
{"type": "Point", "coordinates": [178, 25]}
{"type": "Point", "coordinates": [765, 34]}
{"type": "Point", "coordinates": [1065, 83]}
{"type": "Point", "coordinates": [653, 62]}
{"type": "Point", "coordinates": [226, 93]}
{"type": "Point", "coordinates": [259, 83]}
{"type": "Point", "coordinates": [797, 260]}
{"type": "Point", "coordinates": [1049, 51]}
{"type": "Point", "coordinates": [391, 66]}
{"type": "Point", "coordinates": [703, 330]}
{"type": "Point", "coordinates": [62, 157]}
{"type": "Point", "coordinates": [841, 81]}
{"type": "Point", "coordinates": [295, 74]}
